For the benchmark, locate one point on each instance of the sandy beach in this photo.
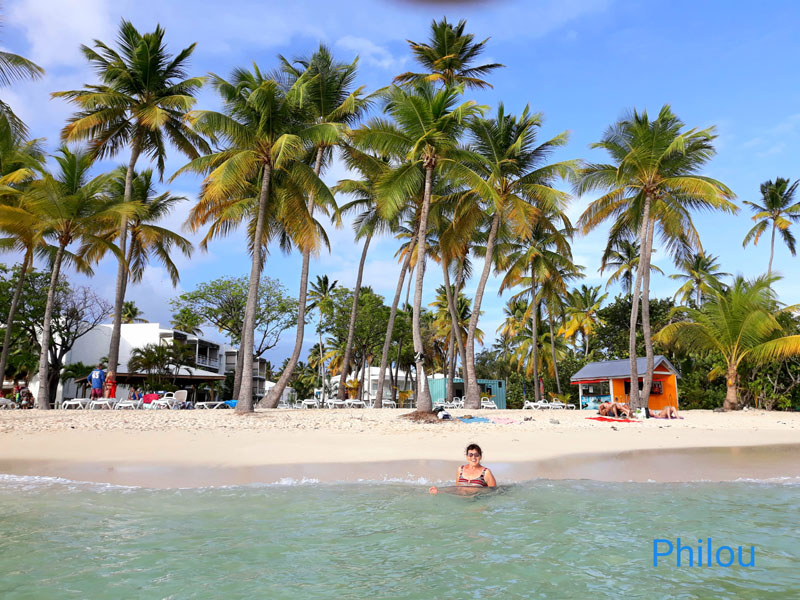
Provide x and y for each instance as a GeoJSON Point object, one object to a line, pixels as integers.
{"type": "Point", "coordinates": [174, 448]}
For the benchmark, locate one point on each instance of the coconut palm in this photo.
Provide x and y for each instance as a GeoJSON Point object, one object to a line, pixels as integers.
{"type": "Point", "coordinates": [367, 224]}
{"type": "Point", "coordinates": [701, 274]}
{"type": "Point", "coordinates": [329, 100]}
{"type": "Point", "coordinates": [131, 313]}
{"type": "Point", "coordinates": [738, 323]}
{"type": "Point", "coordinates": [624, 256]}
{"type": "Point", "coordinates": [448, 57]}
{"type": "Point", "coordinates": [321, 296]}
{"type": "Point", "coordinates": [582, 308]}
{"type": "Point", "coordinates": [141, 104]}
{"type": "Point", "coordinates": [515, 188]}
{"type": "Point", "coordinates": [259, 175]}
{"type": "Point", "coordinates": [442, 322]}
{"type": "Point", "coordinates": [427, 127]}
{"type": "Point", "coordinates": [70, 207]}
{"type": "Point", "coordinates": [778, 207]}
{"type": "Point", "coordinates": [187, 321]}
{"type": "Point", "coordinates": [653, 179]}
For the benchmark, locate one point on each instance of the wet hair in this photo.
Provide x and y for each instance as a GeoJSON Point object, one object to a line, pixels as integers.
{"type": "Point", "coordinates": [474, 447]}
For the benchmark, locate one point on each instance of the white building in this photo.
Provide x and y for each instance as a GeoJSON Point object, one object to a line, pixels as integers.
{"type": "Point", "coordinates": [372, 376]}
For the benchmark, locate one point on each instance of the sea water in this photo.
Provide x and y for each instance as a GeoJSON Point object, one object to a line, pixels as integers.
{"type": "Point", "coordinates": [540, 539]}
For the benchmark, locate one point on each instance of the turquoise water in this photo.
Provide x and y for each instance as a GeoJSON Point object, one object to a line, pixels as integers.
{"type": "Point", "coordinates": [542, 539]}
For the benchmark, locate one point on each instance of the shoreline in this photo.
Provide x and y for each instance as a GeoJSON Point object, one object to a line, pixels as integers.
{"type": "Point", "coordinates": [209, 448]}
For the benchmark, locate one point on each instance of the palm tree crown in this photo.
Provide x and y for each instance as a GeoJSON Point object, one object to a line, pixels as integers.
{"type": "Point", "coordinates": [779, 207]}
{"type": "Point", "coordinates": [701, 273]}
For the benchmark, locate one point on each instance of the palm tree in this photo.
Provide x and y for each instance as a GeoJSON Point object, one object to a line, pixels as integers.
{"type": "Point", "coordinates": [70, 207]}
{"type": "Point", "coordinates": [331, 106]}
{"type": "Point", "coordinates": [367, 224]}
{"type": "Point", "coordinates": [515, 188]}
{"type": "Point", "coordinates": [701, 274]}
{"type": "Point", "coordinates": [779, 207]}
{"type": "Point", "coordinates": [442, 322]}
{"type": "Point", "coordinates": [187, 321]}
{"type": "Point", "coordinates": [654, 177]}
{"type": "Point", "coordinates": [142, 99]}
{"type": "Point", "coordinates": [15, 68]}
{"type": "Point", "coordinates": [427, 128]}
{"type": "Point", "coordinates": [738, 323]}
{"type": "Point", "coordinates": [321, 296]}
{"type": "Point", "coordinates": [582, 309]}
{"type": "Point", "coordinates": [262, 137]}
{"type": "Point", "coordinates": [624, 256]}
{"type": "Point", "coordinates": [131, 313]}
{"type": "Point", "coordinates": [448, 57]}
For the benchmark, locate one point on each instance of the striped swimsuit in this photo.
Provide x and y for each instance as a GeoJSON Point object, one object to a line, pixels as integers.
{"type": "Point", "coordinates": [480, 481]}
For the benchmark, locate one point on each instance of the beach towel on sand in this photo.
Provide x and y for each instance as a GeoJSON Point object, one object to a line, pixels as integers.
{"type": "Point", "coordinates": [474, 420]}
{"type": "Point", "coordinates": [613, 420]}
{"type": "Point", "coordinates": [503, 420]}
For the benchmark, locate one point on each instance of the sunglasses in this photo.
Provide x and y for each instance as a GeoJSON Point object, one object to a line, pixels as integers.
{"type": "Point", "coordinates": [473, 455]}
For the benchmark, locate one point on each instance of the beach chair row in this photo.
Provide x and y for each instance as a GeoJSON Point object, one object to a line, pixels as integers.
{"type": "Point", "coordinates": [169, 400]}
{"type": "Point", "coordinates": [544, 404]}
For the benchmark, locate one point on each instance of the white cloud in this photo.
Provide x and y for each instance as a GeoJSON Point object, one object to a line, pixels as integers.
{"type": "Point", "coordinates": [57, 28]}
{"type": "Point", "coordinates": [370, 52]}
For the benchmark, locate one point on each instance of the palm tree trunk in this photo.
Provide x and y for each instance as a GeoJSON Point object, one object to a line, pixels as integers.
{"type": "Point", "coordinates": [244, 401]}
{"type": "Point", "coordinates": [122, 267]}
{"type": "Point", "coordinates": [697, 301]}
{"type": "Point", "coordinates": [276, 392]}
{"type": "Point", "coordinates": [731, 394]}
{"type": "Point", "coordinates": [553, 349]}
{"type": "Point", "coordinates": [11, 313]}
{"type": "Point", "coordinates": [771, 250]}
{"type": "Point", "coordinates": [43, 396]}
{"type": "Point", "coordinates": [462, 351]}
{"type": "Point", "coordinates": [635, 291]}
{"type": "Point", "coordinates": [424, 403]}
{"type": "Point", "coordinates": [535, 335]}
{"type": "Point", "coordinates": [452, 300]}
{"type": "Point", "coordinates": [390, 326]}
{"type": "Point", "coordinates": [648, 336]}
{"type": "Point", "coordinates": [321, 360]}
{"type": "Point", "coordinates": [473, 392]}
{"type": "Point", "coordinates": [351, 329]}
{"type": "Point", "coordinates": [237, 374]}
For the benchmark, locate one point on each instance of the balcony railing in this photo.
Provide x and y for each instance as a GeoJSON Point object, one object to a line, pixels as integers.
{"type": "Point", "coordinates": [207, 362]}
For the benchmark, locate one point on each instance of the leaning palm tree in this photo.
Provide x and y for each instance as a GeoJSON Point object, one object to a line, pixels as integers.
{"type": "Point", "coordinates": [258, 173]}
{"type": "Point", "coordinates": [624, 256]}
{"type": "Point", "coordinates": [515, 187]}
{"type": "Point", "coordinates": [701, 274]}
{"type": "Point", "coordinates": [778, 206]}
{"type": "Point", "coordinates": [449, 57]}
{"type": "Point", "coordinates": [332, 103]}
{"type": "Point", "coordinates": [427, 127]}
{"type": "Point", "coordinates": [71, 208]}
{"type": "Point", "coordinates": [653, 178]}
{"type": "Point", "coordinates": [737, 323]}
{"type": "Point", "coordinates": [141, 103]}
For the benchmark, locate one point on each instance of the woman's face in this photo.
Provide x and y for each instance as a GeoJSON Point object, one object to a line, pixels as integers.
{"type": "Point", "coordinates": [473, 457]}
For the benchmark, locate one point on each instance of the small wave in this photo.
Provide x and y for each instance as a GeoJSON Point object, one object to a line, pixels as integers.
{"type": "Point", "coordinates": [787, 480]}
{"type": "Point", "coordinates": [31, 482]}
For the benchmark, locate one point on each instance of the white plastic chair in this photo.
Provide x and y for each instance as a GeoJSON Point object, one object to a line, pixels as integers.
{"type": "Point", "coordinates": [487, 403]}
{"type": "Point", "coordinates": [164, 401]}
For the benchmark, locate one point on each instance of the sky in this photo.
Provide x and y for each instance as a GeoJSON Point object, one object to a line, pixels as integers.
{"type": "Point", "coordinates": [583, 64]}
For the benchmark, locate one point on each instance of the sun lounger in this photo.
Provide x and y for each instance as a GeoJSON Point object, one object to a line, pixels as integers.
{"type": "Point", "coordinates": [6, 403]}
{"type": "Point", "coordinates": [166, 401]}
{"type": "Point", "coordinates": [309, 403]}
{"type": "Point", "coordinates": [210, 404]}
{"type": "Point", "coordinates": [388, 404]}
{"type": "Point", "coordinates": [75, 403]}
{"type": "Point", "coordinates": [486, 403]}
{"type": "Point", "coordinates": [128, 403]}
{"type": "Point", "coordinates": [102, 402]}
{"type": "Point", "coordinates": [352, 403]}
{"type": "Point", "coordinates": [336, 403]}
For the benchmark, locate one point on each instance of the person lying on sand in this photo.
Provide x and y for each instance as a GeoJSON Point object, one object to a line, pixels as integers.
{"type": "Point", "coordinates": [473, 474]}
{"type": "Point", "coordinates": [668, 412]}
{"type": "Point", "coordinates": [614, 409]}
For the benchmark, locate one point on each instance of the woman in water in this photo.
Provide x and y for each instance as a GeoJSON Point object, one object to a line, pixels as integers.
{"type": "Point", "coordinates": [473, 474]}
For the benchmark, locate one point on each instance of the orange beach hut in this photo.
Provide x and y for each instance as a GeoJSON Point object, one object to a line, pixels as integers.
{"type": "Point", "coordinates": [611, 381]}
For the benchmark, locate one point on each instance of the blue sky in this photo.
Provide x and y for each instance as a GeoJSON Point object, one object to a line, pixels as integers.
{"type": "Point", "coordinates": [581, 63]}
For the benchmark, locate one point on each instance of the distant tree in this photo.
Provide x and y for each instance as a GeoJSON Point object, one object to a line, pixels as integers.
{"type": "Point", "coordinates": [187, 321]}
{"type": "Point", "coordinates": [778, 208]}
{"type": "Point", "coordinates": [131, 313]}
{"type": "Point", "coordinates": [701, 274]}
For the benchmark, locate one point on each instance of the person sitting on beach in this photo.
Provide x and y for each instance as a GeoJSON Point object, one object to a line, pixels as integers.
{"type": "Point", "coordinates": [473, 474]}
{"type": "Point", "coordinates": [668, 412]}
{"type": "Point", "coordinates": [135, 395]}
{"type": "Point", "coordinates": [614, 409]}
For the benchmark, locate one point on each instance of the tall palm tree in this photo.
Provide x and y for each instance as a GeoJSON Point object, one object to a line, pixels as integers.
{"type": "Point", "coordinates": [427, 127]}
{"type": "Point", "coordinates": [262, 133]}
{"type": "Point", "coordinates": [654, 178]}
{"type": "Point", "coordinates": [701, 274]}
{"type": "Point", "coordinates": [777, 206]}
{"type": "Point", "coordinates": [367, 224]}
{"type": "Point", "coordinates": [330, 101]}
{"type": "Point", "coordinates": [738, 323]}
{"type": "Point", "coordinates": [141, 103]}
{"type": "Point", "coordinates": [515, 188]}
{"type": "Point", "coordinates": [624, 256]}
{"type": "Point", "coordinates": [14, 68]}
{"type": "Point", "coordinates": [582, 308]}
{"type": "Point", "coordinates": [71, 207]}
{"type": "Point", "coordinates": [321, 296]}
{"type": "Point", "coordinates": [448, 57]}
